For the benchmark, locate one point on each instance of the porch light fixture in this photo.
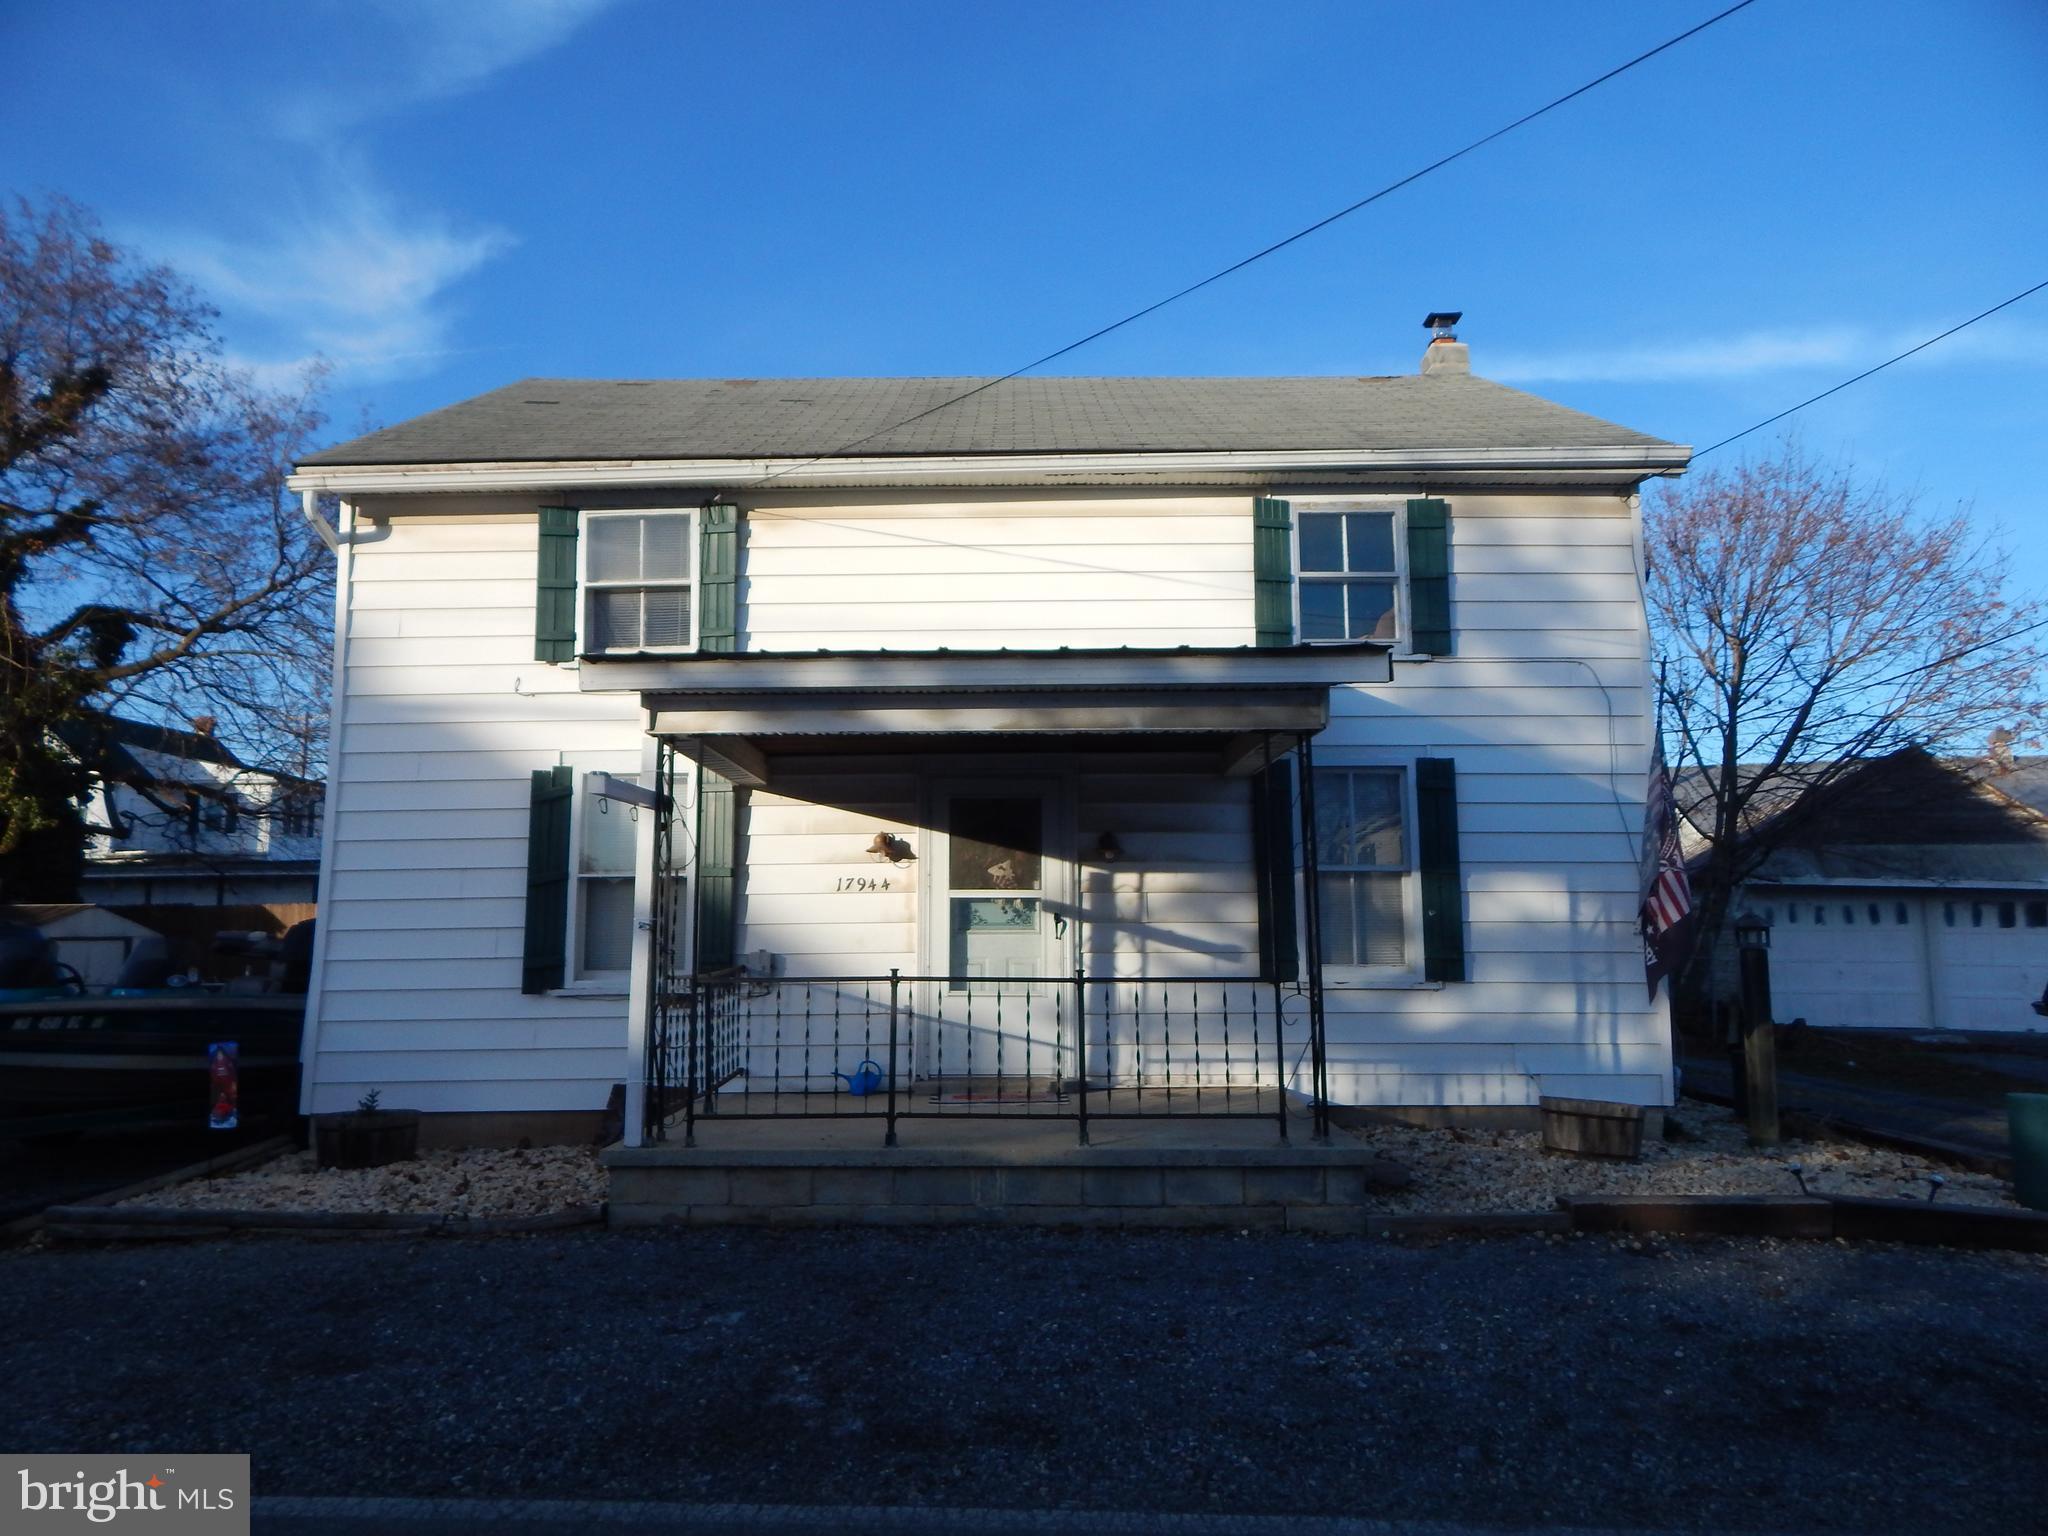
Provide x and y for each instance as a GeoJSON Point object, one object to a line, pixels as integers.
{"type": "Point", "coordinates": [888, 848]}
{"type": "Point", "coordinates": [1752, 930]}
{"type": "Point", "coordinates": [1107, 849]}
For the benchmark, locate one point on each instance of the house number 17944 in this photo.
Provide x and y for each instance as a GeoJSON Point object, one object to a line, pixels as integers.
{"type": "Point", "coordinates": [862, 883]}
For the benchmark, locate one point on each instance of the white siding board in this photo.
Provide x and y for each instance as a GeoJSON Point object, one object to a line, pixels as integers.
{"type": "Point", "coordinates": [447, 715]}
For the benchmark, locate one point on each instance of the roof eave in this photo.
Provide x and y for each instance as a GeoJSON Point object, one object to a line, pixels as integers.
{"type": "Point", "coordinates": [1633, 461]}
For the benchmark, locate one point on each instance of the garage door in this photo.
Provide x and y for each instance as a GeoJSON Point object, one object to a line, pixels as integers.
{"type": "Point", "coordinates": [1849, 961]}
{"type": "Point", "coordinates": [1991, 959]}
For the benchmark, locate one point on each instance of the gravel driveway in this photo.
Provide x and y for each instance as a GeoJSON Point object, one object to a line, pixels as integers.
{"type": "Point", "coordinates": [1708, 1385]}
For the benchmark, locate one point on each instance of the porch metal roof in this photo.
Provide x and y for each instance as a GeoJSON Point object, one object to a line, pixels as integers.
{"type": "Point", "coordinates": [728, 711]}
{"type": "Point", "coordinates": [938, 671]}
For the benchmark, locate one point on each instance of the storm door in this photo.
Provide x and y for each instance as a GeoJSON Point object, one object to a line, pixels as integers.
{"type": "Point", "coordinates": [998, 934]}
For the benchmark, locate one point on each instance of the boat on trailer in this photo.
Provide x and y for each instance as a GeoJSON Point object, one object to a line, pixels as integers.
{"type": "Point", "coordinates": [72, 1061]}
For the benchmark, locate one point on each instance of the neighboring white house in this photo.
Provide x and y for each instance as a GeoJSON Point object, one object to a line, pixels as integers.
{"type": "Point", "coordinates": [177, 819]}
{"type": "Point", "coordinates": [1061, 639]}
{"type": "Point", "coordinates": [1912, 894]}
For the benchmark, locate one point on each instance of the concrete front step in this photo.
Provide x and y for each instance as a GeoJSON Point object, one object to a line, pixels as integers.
{"type": "Point", "coordinates": [1311, 1187]}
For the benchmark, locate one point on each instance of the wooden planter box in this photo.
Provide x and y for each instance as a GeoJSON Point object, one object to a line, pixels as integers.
{"type": "Point", "coordinates": [366, 1139]}
{"type": "Point", "coordinates": [1592, 1128]}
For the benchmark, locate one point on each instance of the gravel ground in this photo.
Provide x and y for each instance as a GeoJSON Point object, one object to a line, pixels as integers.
{"type": "Point", "coordinates": [527, 1182]}
{"type": "Point", "coordinates": [1455, 1170]}
{"type": "Point", "coordinates": [1458, 1170]}
{"type": "Point", "coordinates": [1710, 1385]}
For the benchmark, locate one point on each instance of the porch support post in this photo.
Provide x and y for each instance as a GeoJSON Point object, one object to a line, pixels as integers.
{"type": "Point", "coordinates": [641, 991]}
{"type": "Point", "coordinates": [1312, 942]}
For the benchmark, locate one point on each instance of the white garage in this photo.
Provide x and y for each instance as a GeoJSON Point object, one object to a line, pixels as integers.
{"type": "Point", "coordinates": [1892, 957]}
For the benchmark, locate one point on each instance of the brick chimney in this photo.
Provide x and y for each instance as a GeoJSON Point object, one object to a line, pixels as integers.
{"type": "Point", "coordinates": [1445, 353]}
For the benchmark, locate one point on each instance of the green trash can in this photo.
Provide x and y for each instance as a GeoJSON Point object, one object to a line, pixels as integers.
{"type": "Point", "coordinates": [2027, 1116]}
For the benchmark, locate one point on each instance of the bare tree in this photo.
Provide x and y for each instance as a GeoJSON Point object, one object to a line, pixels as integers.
{"type": "Point", "coordinates": [150, 557]}
{"type": "Point", "coordinates": [1808, 624]}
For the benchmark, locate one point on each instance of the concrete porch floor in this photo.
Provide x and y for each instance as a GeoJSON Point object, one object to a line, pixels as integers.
{"type": "Point", "coordinates": [987, 1168]}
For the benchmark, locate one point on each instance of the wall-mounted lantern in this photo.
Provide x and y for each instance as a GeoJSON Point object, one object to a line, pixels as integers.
{"type": "Point", "coordinates": [1107, 849]}
{"type": "Point", "coordinates": [888, 848]}
{"type": "Point", "coordinates": [1752, 930]}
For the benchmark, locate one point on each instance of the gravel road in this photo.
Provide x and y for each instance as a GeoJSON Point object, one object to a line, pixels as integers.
{"type": "Point", "coordinates": [1710, 1385]}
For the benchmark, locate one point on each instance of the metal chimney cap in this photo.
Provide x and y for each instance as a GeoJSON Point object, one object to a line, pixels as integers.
{"type": "Point", "coordinates": [1441, 320]}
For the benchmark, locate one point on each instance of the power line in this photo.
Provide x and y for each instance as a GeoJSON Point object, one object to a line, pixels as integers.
{"type": "Point", "coordinates": [1278, 245]}
{"type": "Point", "coordinates": [1880, 368]}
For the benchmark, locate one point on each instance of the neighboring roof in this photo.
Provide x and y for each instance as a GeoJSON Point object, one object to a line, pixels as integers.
{"type": "Point", "coordinates": [120, 739]}
{"type": "Point", "coordinates": [2025, 781]}
{"type": "Point", "coordinates": [1909, 817]}
{"type": "Point", "coordinates": [50, 914]}
{"type": "Point", "coordinates": [544, 420]}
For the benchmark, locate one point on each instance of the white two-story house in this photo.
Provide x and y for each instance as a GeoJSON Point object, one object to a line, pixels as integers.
{"type": "Point", "coordinates": [1332, 691]}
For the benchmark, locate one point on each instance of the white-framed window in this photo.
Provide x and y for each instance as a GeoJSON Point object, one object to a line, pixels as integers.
{"type": "Point", "coordinates": [601, 904]}
{"type": "Point", "coordinates": [636, 582]}
{"type": "Point", "coordinates": [1365, 856]}
{"type": "Point", "coordinates": [1351, 570]}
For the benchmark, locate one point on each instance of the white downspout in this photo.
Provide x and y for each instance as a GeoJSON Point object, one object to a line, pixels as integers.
{"type": "Point", "coordinates": [309, 507]}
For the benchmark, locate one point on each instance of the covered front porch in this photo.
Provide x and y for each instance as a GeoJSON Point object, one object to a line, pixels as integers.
{"type": "Point", "coordinates": [897, 895]}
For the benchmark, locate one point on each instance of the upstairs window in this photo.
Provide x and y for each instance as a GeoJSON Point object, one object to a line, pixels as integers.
{"type": "Point", "coordinates": [1350, 574]}
{"type": "Point", "coordinates": [298, 816]}
{"type": "Point", "coordinates": [637, 573]}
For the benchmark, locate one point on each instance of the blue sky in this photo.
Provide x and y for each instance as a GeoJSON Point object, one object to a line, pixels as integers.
{"type": "Point", "coordinates": [443, 195]}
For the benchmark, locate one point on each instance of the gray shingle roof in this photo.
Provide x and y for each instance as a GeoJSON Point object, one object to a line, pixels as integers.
{"type": "Point", "coordinates": [539, 420]}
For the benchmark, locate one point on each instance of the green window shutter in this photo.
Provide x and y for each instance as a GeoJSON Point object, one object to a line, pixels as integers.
{"type": "Point", "coordinates": [1443, 889]}
{"type": "Point", "coordinates": [718, 577]}
{"type": "Point", "coordinates": [717, 883]}
{"type": "Point", "coordinates": [1272, 571]}
{"type": "Point", "coordinates": [1429, 577]}
{"type": "Point", "coordinates": [547, 879]}
{"type": "Point", "coordinates": [554, 601]}
{"type": "Point", "coordinates": [1273, 852]}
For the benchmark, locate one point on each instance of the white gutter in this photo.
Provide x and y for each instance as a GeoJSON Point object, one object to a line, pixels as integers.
{"type": "Point", "coordinates": [766, 474]}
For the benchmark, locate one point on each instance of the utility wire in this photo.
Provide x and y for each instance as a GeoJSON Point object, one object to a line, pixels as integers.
{"type": "Point", "coordinates": [1278, 245]}
{"type": "Point", "coordinates": [1866, 373]}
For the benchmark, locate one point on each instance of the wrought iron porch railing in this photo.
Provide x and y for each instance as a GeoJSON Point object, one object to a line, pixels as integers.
{"type": "Point", "coordinates": [734, 1046]}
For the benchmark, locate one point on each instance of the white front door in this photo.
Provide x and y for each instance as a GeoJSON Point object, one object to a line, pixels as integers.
{"type": "Point", "coordinates": [998, 930]}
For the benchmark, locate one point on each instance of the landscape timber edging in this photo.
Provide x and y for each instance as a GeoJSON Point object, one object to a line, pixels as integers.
{"type": "Point", "coordinates": [1806, 1125]}
{"type": "Point", "coordinates": [88, 1223]}
{"type": "Point", "coordinates": [1852, 1217]}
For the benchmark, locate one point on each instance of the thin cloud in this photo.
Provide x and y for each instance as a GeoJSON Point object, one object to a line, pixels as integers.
{"type": "Point", "coordinates": [436, 51]}
{"type": "Point", "coordinates": [1755, 353]}
{"type": "Point", "coordinates": [348, 274]}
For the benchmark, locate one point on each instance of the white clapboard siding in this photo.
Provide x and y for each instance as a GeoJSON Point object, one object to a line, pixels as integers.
{"type": "Point", "coordinates": [444, 717]}
{"type": "Point", "coordinates": [1544, 706]}
{"type": "Point", "coordinates": [1159, 570]}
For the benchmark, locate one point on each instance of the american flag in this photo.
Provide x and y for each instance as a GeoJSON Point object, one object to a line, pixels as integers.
{"type": "Point", "coordinates": [1666, 902]}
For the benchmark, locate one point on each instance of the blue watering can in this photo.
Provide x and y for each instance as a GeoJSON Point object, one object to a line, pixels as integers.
{"type": "Point", "coordinates": [863, 1080]}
